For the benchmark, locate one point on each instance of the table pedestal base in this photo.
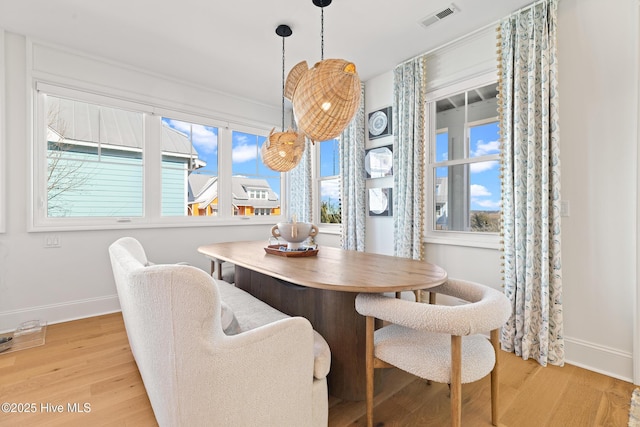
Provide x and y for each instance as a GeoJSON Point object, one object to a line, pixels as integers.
{"type": "Point", "coordinates": [332, 314]}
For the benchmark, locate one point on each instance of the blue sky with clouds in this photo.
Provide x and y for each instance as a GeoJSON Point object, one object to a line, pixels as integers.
{"type": "Point", "coordinates": [330, 166]}
{"type": "Point", "coordinates": [485, 182]}
{"type": "Point", "coordinates": [484, 178]}
{"type": "Point", "coordinates": [245, 152]}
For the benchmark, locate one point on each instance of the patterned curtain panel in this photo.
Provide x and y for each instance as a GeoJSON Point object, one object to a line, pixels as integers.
{"type": "Point", "coordinates": [300, 188]}
{"type": "Point", "coordinates": [528, 107]}
{"type": "Point", "coordinates": [353, 182]}
{"type": "Point", "coordinates": [409, 81]}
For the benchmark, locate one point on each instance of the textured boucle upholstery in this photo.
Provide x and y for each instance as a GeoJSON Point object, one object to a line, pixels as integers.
{"type": "Point", "coordinates": [251, 313]}
{"type": "Point", "coordinates": [488, 309]}
{"type": "Point", "coordinates": [428, 354]}
{"type": "Point", "coordinates": [419, 339]}
{"type": "Point", "coordinates": [230, 324]}
{"type": "Point", "coordinates": [195, 374]}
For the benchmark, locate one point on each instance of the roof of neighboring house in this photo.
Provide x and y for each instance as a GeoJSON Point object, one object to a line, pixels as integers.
{"type": "Point", "coordinates": [91, 124]}
{"type": "Point", "coordinates": [240, 186]}
{"type": "Point", "coordinates": [203, 189]}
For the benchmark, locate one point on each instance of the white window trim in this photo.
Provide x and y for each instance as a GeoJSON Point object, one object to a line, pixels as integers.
{"type": "Point", "coordinates": [152, 217]}
{"type": "Point", "coordinates": [456, 238]}
{"type": "Point", "coordinates": [323, 228]}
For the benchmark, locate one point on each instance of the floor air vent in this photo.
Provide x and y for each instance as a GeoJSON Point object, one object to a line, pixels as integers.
{"type": "Point", "coordinates": [438, 16]}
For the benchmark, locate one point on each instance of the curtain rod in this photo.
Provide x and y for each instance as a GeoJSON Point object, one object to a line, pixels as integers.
{"type": "Point", "coordinates": [525, 8]}
{"type": "Point", "coordinates": [493, 24]}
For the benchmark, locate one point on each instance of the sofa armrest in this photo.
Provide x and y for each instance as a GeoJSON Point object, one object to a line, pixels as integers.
{"type": "Point", "coordinates": [274, 361]}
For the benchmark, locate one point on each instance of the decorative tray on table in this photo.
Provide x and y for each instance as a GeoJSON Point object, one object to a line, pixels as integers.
{"type": "Point", "coordinates": [281, 250]}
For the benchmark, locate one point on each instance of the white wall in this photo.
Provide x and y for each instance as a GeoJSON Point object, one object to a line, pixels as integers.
{"type": "Point", "coordinates": [75, 280]}
{"type": "Point", "coordinates": [598, 60]}
{"type": "Point", "coordinates": [598, 72]}
{"type": "Point", "coordinates": [379, 229]}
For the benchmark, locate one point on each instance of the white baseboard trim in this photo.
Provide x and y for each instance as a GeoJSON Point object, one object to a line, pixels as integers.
{"type": "Point", "coordinates": [57, 313]}
{"type": "Point", "coordinates": [597, 358]}
{"type": "Point", "coordinates": [584, 354]}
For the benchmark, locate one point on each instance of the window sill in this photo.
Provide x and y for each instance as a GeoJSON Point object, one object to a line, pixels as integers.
{"type": "Point", "coordinates": [485, 241]}
{"type": "Point", "coordinates": [330, 229]}
{"type": "Point", "coordinates": [139, 223]}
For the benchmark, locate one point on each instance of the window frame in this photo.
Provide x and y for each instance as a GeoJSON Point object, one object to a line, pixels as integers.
{"type": "Point", "coordinates": [152, 166]}
{"type": "Point", "coordinates": [490, 240]}
{"type": "Point", "coordinates": [327, 228]}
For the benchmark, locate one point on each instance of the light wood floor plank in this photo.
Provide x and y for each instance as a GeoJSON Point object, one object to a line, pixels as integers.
{"type": "Point", "coordinates": [89, 361]}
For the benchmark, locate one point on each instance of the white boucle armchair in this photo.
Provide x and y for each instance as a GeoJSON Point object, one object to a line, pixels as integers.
{"type": "Point", "coordinates": [437, 342]}
{"type": "Point", "coordinates": [195, 374]}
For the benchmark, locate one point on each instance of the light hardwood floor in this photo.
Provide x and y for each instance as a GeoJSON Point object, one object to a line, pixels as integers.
{"type": "Point", "coordinates": [89, 361]}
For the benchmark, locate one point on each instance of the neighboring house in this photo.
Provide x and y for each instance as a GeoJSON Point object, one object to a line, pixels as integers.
{"type": "Point", "coordinates": [95, 158]}
{"type": "Point", "coordinates": [442, 196]}
{"type": "Point", "coordinates": [251, 196]}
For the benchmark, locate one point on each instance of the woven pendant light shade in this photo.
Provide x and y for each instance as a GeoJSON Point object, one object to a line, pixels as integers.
{"type": "Point", "coordinates": [325, 98]}
{"type": "Point", "coordinates": [282, 151]}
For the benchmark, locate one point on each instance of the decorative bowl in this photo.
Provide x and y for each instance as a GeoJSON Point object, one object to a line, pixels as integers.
{"type": "Point", "coordinates": [294, 233]}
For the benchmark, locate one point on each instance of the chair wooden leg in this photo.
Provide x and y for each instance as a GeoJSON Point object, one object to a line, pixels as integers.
{"type": "Point", "coordinates": [495, 341]}
{"type": "Point", "coordinates": [432, 297]}
{"type": "Point", "coordinates": [432, 300]}
{"type": "Point", "coordinates": [370, 326]}
{"type": "Point", "coordinates": [456, 381]}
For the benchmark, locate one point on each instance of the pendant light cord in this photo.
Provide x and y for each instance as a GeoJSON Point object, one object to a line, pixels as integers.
{"type": "Point", "coordinates": [322, 34]}
{"type": "Point", "coordinates": [283, 84]}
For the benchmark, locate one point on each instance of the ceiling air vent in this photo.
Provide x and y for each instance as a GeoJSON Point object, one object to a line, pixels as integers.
{"type": "Point", "coordinates": [438, 16]}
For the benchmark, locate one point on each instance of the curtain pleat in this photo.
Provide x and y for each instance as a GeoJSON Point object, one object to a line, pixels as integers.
{"type": "Point", "coordinates": [528, 109]}
{"type": "Point", "coordinates": [408, 157]}
{"type": "Point", "coordinates": [352, 181]}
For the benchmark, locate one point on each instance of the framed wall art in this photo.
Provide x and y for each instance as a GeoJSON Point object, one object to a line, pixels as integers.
{"type": "Point", "coordinates": [378, 162]}
{"type": "Point", "coordinates": [380, 202]}
{"type": "Point", "coordinates": [380, 123]}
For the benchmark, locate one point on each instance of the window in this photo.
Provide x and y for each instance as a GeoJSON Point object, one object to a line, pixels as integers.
{"type": "Point", "coordinates": [464, 162]}
{"type": "Point", "coordinates": [93, 161]}
{"type": "Point", "coordinates": [256, 188]}
{"type": "Point", "coordinates": [103, 162]}
{"type": "Point", "coordinates": [329, 182]}
{"type": "Point", "coordinates": [189, 168]}
{"type": "Point", "coordinates": [263, 211]}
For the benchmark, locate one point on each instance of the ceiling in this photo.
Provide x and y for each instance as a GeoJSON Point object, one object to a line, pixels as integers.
{"type": "Point", "coordinates": [231, 46]}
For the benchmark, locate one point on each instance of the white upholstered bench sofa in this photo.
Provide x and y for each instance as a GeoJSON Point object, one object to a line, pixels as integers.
{"type": "Point", "coordinates": [267, 369]}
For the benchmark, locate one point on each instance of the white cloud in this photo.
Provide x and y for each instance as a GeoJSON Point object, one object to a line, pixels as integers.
{"type": "Point", "coordinates": [330, 189]}
{"type": "Point", "coordinates": [178, 125]}
{"type": "Point", "coordinates": [479, 190]}
{"type": "Point", "coordinates": [241, 138]}
{"type": "Point", "coordinates": [203, 138]}
{"type": "Point", "coordinates": [487, 204]}
{"type": "Point", "coordinates": [483, 149]}
{"type": "Point", "coordinates": [482, 166]}
{"type": "Point", "coordinates": [243, 153]}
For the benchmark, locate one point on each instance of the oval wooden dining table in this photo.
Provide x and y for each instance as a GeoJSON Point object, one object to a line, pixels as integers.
{"type": "Point", "coordinates": [322, 288]}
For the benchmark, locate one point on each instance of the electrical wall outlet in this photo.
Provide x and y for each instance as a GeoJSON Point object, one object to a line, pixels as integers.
{"type": "Point", "coordinates": [52, 241]}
